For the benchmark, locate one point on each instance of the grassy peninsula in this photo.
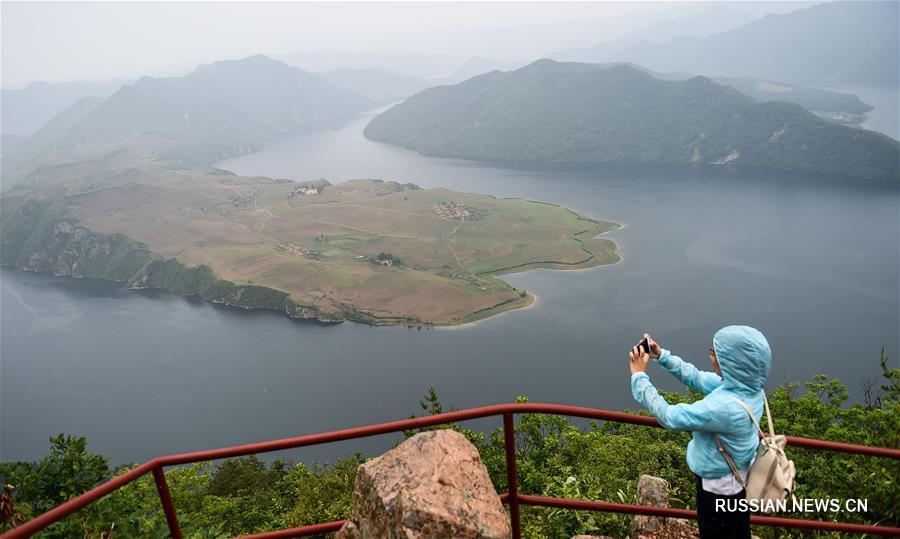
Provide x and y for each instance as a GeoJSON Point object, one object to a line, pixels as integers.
{"type": "Point", "coordinates": [368, 250]}
{"type": "Point", "coordinates": [119, 189]}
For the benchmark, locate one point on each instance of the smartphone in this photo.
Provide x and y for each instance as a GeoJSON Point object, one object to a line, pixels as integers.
{"type": "Point", "coordinates": [645, 345]}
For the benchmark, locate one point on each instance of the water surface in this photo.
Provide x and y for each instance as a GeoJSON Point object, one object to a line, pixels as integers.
{"type": "Point", "coordinates": [811, 261]}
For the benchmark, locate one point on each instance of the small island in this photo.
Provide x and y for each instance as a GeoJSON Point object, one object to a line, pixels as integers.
{"type": "Point", "coordinates": [371, 251]}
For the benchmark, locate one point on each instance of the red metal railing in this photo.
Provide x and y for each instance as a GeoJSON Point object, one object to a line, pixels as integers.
{"type": "Point", "coordinates": [512, 498]}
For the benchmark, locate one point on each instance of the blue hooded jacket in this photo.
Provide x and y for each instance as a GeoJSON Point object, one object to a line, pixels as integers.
{"type": "Point", "coordinates": [745, 360]}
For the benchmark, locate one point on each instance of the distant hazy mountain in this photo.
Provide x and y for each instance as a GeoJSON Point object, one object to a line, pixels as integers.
{"type": "Point", "coordinates": [836, 106]}
{"type": "Point", "coordinates": [381, 87]}
{"type": "Point", "coordinates": [219, 110]}
{"type": "Point", "coordinates": [837, 42]}
{"type": "Point", "coordinates": [384, 87]}
{"type": "Point", "coordinates": [688, 20]}
{"type": "Point", "coordinates": [477, 65]}
{"type": "Point", "coordinates": [24, 111]}
{"type": "Point", "coordinates": [410, 64]}
{"type": "Point", "coordinates": [550, 111]}
{"type": "Point", "coordinates": [45, 137]}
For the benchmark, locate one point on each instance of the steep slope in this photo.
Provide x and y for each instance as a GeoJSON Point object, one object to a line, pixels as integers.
{"type": "Point", "coordinates": [837, 42]}
{"type": "Point", "coordinates": [552, 111]}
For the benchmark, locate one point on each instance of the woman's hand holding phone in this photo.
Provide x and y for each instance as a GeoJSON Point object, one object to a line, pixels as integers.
{"type": "Point", "coordinates": [653, 347]}
{"type": "Point", "coordinates": [638, 359]}
{"type": "Point", "coordinates": [640, 354]}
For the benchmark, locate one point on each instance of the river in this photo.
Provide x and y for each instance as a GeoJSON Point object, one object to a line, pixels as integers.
{"type": "Point", "coordinates": [812, 262]}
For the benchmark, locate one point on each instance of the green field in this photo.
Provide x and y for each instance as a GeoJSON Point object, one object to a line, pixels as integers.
{"type": "Point", "coordinates": [323, 249]}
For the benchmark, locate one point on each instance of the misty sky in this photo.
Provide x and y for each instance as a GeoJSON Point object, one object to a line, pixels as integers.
{"type": "Point", "coordinates": [96, 41]}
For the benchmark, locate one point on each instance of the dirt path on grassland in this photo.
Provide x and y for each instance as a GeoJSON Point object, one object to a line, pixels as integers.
{"type": "Point", "coordinates": [452, 250]}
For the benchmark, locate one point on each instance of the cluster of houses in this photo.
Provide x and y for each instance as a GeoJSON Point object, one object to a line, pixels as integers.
{"type": "Point", "coordinates": [303, 190]}
{"type": "Point", "coordinates": [456, 211]}
{"type": "Point", "coordinates": [297, 250]}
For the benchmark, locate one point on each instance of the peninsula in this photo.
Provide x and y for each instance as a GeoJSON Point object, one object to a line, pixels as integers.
{"type": "Point", "coordinates": [120, 188]}
{"type": "Point", "coordinates": [371, 251]}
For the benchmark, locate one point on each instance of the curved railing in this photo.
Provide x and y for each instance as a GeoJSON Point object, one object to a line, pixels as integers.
{"type": "Point", "coordinates": [512, 498]}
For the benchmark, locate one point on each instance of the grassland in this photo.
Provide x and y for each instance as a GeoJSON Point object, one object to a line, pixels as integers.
{"type": "Point", "coordinates": [323, 249]}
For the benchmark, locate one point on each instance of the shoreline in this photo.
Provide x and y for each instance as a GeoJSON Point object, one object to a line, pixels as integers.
{"type": "Point", "coordinates": [489, 313]}
{"type": "Point", "coordinates": [147, 271]}
{"type": "Point", "coordinates": [529, 304]}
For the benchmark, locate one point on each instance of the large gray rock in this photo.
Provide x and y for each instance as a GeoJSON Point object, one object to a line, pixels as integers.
{"type": "Point", "coordinates": [433, 486]}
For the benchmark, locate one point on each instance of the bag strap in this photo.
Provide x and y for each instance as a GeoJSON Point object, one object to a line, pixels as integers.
{"type": "Point", "coordinates": [769, 416]}
{"type": "Point", "coordinates": [721, 447]}
{"type": "Point", "coordinates": [753, 418]}
{"type": "Point", "coordinates": [731, 465]}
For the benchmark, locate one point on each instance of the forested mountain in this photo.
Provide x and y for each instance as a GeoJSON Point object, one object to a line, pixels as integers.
{"type": "Point", "coordinates": [837, 106]}
{"type": "Point", "coordinates": [837, 42]}
{"type": "Point", "coordinates": [551, 111]}
{"type": "Point", "coordinates": [220, 109]}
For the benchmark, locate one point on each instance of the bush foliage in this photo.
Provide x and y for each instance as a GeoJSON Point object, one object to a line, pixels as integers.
{"type": "Point", "coordinates": [598, 461]}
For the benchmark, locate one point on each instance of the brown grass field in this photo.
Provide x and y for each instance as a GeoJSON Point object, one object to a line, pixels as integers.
{"type": "Point", "coordinates": [321, 249]}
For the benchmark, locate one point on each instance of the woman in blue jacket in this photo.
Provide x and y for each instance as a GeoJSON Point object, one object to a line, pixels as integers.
{"type": "Point", "coordinates": [741, 359]}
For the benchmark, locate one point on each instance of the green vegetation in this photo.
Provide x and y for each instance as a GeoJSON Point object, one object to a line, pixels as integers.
{"type": "Point", "coordinates": [108, 190]}
{"type": "Point", "coordinates": [36, 237]}
{"type": "Point", "coordinates": [569, 112]}
{"type": "Point", "coordinates": [368, 250]}
{"type": "Point", "coordinates": [601, 461]}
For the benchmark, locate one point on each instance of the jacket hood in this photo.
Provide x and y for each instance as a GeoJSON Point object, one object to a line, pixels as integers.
{"type": "Point", "coordinates": [744, 357]}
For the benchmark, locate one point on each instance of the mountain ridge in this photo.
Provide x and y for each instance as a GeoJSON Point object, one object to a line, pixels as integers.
{"type": "Point", "coordinates": [216, 111]}
{"type": "Point", "coordinates": [553, 111]}
{"type": "Point", "coordinates": [835, 42]}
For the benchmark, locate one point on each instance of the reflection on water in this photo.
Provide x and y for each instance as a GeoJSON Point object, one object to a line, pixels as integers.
{"type": "Point", "coordinates": [812, 263]}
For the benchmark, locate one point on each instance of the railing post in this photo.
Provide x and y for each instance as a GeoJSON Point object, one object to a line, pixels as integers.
{"type": "Point", "coordinates": [166, 498]}
{"type": "Point", "coordinates": [512, 481]}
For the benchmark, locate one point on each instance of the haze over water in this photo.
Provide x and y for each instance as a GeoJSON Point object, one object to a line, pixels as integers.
{"type": "Point", "coordinates": [813, 264]}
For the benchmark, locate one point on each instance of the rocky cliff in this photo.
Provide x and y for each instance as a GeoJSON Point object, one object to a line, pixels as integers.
{"type": "Point", "coordinates": [37, 235]}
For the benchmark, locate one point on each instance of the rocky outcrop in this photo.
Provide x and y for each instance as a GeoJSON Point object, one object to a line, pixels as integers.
{"type": "Point", "coordinates": [433, 485]}
{"type": "Point", "coordinates": [654, 491]}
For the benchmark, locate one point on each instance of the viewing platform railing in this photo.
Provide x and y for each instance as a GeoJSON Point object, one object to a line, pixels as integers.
{"type": "Point", "coordinates": [512, 497]}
